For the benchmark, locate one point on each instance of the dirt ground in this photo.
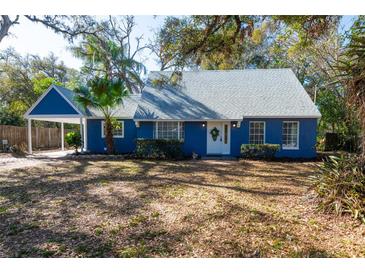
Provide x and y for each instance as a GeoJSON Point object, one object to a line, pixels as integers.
{"type": "Point", "coordinates": [133, 208]}
{"type": "Point", "coordinates": [10, 161]}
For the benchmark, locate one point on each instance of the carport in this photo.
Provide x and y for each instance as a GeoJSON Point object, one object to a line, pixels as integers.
{"type": "Point", "coordinates": [57, 104]}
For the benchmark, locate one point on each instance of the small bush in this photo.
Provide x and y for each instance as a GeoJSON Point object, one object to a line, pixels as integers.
{"type": "Point", "coordinates": [73, 139]}
{"type": "Point", "coordinates": [159, 149]}
{"type": "Point", "coordinates": [262, 151]}
{"type": "Point", "coordinates": [340, 186]}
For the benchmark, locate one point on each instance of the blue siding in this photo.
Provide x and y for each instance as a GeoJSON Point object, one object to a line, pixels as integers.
{"type": "Point", "coordinates": [52, 104]}
{"type": "Point", "coordinates": [97, 144]}
{"type": "Point", "coordinates": [195, 139]}
{"type": "Point", "coordinates": [145, 130]}
{"type": "Point", "coordinates": [273, 135]}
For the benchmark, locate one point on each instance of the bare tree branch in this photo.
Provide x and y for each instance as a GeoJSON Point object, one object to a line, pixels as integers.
{"type": "Point", "coordinates": [5, 24]}
{"type": "Point", "coordinates": [69, 26]}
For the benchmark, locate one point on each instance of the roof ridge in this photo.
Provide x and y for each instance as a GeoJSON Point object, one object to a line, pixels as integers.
{"type": "Point", "coordinates": [223, 70]}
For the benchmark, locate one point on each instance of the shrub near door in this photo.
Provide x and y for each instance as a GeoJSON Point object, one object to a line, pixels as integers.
{"type": "Point", "coordinates": [159, 149]}
{"type": "Point", "coordinates": [261, 151]}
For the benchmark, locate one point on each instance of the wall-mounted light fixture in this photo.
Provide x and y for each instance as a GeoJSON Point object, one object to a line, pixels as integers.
{"type": "Point", "coordinates": [203, 124]}
{"type": "Point", "coordinates": [137, 124]}
{"type": "Point", "coordinates": [234, 124]}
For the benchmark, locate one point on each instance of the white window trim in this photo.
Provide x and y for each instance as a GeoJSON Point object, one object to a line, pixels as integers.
{"type": "Point", "coordinates": [114, 136]}
{"type": "Point", "coordinates": [249, 127]}
{"type": "Point", "coordinates": [178, 129]}
{"type": "Point", "coordinates": [282, 145]}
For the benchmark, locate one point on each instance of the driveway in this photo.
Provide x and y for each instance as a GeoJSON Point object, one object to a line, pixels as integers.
{"type": "Point", "coordinates": [9, 161]}
{"type": "Point", "coordinates": [135, 208]}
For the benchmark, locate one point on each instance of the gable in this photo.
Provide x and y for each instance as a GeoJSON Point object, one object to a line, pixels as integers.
{"type": "Point", "coordinates": [53, 104]}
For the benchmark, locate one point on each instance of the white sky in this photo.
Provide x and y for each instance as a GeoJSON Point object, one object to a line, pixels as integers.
{"type": "Point", "coordinates": [33, 38]}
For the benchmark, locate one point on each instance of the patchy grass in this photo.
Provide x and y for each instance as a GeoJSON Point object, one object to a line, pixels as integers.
{"type": "Point", "coordinates": [3, 209]}
{"type": "Point", "coordinates": [133, 252]}
{"type": "Point", "coordinates": [169, 209]}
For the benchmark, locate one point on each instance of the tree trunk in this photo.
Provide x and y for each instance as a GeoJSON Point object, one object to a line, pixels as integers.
{"type": "Point", "coordinates": [109, 136]}
{"type": "Point", "coordinates": [362, 159]}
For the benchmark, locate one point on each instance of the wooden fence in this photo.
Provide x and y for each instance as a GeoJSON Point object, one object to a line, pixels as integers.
{"type": "Point", "coordinates": [42, 138]}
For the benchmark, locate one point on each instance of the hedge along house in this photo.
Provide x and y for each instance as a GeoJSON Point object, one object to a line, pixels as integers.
{"type": "Point", "coordinates": [211, 112]}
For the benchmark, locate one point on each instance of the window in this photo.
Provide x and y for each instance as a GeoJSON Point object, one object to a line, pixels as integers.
{"type": "Point", "coordinates": [225, 134]}
{"type": "Point", "coordinates": [117, 132]}
{"type": "Point", "coordinates": [257, 132]}
{"type": "Point", "coordinates": [169, 130]}
{"type": "Point", "coordinates": [290, 135]}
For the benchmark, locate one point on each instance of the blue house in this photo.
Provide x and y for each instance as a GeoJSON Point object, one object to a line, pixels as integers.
{"type": "Point", "coordinates": [212, 112]}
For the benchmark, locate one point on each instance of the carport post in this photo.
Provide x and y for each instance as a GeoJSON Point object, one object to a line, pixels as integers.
{"type": "Point", "coordinates": [30, 151]}
{"type": "Point", "coordinates": [82, 135]}
{"type": "Point", "coordinates": [62, 137]}
{"type": "Point", "coordinates": [85, 134]}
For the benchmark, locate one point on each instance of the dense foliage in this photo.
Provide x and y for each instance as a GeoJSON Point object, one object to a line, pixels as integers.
{"type": "Point", "coordinates": [73, 139]}
{"type": "Point", "coordinates": [231, 41]}
{"type": "Point", "coordinates": [259, 151]}
{"type": "Point", "coordinates": [159, 149]}
{"type": "Point", "coordinates": [340, 185]}
{"type": "Point", "coordinates": [24, 78]}
{"type": "Point", "coordinates": [352, 68]}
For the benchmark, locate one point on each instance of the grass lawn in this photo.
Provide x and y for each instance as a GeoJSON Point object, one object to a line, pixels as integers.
{"type": "Point", "coordinates": [169, 209]}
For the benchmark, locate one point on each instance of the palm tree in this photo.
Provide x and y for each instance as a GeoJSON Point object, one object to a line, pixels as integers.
{"type": "Point", "coordinates": [105, 95]}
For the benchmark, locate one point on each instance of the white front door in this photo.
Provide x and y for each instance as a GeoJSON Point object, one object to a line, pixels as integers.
{"type": "Point", "coordinates": [218, 137]}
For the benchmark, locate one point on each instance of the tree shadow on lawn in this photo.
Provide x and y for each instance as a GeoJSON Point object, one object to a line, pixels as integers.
{"type": "Point", "coordinates": [206, 174]}
{"type": "Point", "coordinates": [236, 230]}
{"type": "Point", "coordinates": [26, 191]}
{"type": "Point", "coordinates": [30, 239]}
{"type": "Point", "coordinates": [32, 227]}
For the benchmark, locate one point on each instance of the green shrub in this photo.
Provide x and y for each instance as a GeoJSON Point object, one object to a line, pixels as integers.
{"type": "Point", "coordinates": [159, 149]}
{"type": "Point", "coordinates": [262, 151]}
{"type": "Point", "coordinates": [73, 139]}
{"type": "Point", "coordinates": [340, 186]}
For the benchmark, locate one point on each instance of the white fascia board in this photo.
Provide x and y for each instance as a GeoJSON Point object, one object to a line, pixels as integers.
{"type": "Point", "coordinates": [233, 119]}
{"type": "Point", "coordinates": [53, 116]}
{"type": "Point", "coordinates": [186, 120]}
{"type": "Point", "coordinates": [283, 117]}
{"type": "Point", "coordinates": [102, 118]}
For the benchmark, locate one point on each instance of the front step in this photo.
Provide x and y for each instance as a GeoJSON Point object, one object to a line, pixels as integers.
{"type": "Point", "coordinates": [219, 157]}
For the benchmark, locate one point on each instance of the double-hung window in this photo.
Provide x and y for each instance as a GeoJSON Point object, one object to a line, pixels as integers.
{"type": "Point", "coordinates": [257, 132]}
{"type": "Point", "coordinates": [169, 130]}
{"type": "Point", "coordinates": [290, 135]}
{"type": "Point", "coordinates": [117, 132]}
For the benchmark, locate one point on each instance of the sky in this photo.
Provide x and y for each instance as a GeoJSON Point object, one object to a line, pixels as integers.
{"type": "Point", "coordinates": [32, 38]}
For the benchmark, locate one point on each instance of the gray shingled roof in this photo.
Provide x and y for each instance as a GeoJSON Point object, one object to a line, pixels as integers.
{"type": "Point", "coordinates": [215, 95]}
{"type": "Point", "coordinates": [229, 94]}
{"type": "Point", "coordinates": [125, 110]}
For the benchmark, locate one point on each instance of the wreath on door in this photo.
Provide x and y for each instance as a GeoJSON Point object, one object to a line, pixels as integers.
{"type": "Point", "coordinates": [215, 133]}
